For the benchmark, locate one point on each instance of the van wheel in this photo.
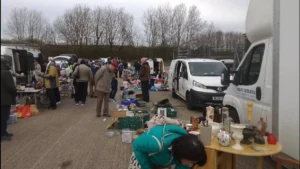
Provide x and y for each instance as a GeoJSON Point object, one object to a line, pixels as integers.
{"type": "Point", "coordinates": [234, 115]}
{"type": "Point", "coordinates": [174, 95]}
{"type": "Point", "coordinates": [189, 103]}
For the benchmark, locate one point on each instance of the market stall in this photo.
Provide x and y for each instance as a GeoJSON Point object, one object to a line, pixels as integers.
{"type": "Point", "coordinates": [225, 157]}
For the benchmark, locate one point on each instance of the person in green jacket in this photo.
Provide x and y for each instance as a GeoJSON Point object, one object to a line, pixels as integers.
{"type": "Point", "coordinates": [168, 145]}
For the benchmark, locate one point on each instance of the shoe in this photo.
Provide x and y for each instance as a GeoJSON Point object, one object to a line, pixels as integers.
{"type": "Point", "coordinates": [82, 104]}
{"type": "Point", "coordinates": [77, 104]}
{"type": "Point", "coordinates": [98, 115]}
{"type": "Point", "coordinates": [9, 134]}
{"type": "Point", "coordinates": [106, 115]}
{"type": "Point", "coordinates": [5, 138]}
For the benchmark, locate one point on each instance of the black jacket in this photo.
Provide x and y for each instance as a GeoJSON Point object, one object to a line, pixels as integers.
{"type": "Point", "coordinates": [8, 88]}
{"type": "Point", "coordinates": [137, 66]}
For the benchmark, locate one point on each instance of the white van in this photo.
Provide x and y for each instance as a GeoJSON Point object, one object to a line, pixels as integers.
{"type": "Point", "coordinates": [156, 64]}
{"type": "Point", "coordinates": [197, 81]}
{"type": "Point", "coordinates": [268, 75]}
{"type": "Point", "coordinates": [17, 56]}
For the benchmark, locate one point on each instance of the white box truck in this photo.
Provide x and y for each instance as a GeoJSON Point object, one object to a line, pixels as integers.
{"type": "Point", "coordinates": [268, 75]}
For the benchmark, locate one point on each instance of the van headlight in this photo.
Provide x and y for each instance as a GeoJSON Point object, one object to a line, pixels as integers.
{"type": "Point", "coordinates": [197, 84]}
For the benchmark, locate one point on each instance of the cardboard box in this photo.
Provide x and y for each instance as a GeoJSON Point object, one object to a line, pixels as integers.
{"type": "Point", "coordinates": [139, 96]}
{"type": "Point", "coordinates": [117, 114]}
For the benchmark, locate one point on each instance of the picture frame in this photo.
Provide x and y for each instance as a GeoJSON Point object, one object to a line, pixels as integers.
{"type": "Point", "coordinates": [162, 111]}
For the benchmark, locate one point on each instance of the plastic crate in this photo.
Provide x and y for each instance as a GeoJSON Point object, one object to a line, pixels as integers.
{"type": "Point", "coordinates": [171, 112]}
{"type": "Point", "coordinates": [145, 112]}
{"type": "Point", "coordinates": [164, 105]}
{"type": "Point", "coordinates": [132, 123]}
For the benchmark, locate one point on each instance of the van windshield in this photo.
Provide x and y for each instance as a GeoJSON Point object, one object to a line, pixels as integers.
{"type": "Point", "coordinates": [206, 68]}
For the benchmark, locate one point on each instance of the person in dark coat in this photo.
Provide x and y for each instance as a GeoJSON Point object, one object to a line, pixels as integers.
{"type": "Point", "coordinates": [144, 76]}
{"type": "Point", "coordinates": [114, 89]}
{"type": "Point", "coordinates": [8, 97]}
{"type": "Point", "coordinates": [95, 67]}
{"type": "Point", "coordinates": [137, 67]}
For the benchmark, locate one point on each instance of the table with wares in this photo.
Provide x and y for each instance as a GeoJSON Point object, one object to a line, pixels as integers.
{"type": "Point", "coordinates": [30, 91]}
{"type": "Point", "coordinates": [225, 157]}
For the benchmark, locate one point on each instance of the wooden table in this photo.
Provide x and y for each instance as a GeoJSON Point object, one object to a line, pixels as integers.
{"type": "Point", "coordinates": [225, 157]}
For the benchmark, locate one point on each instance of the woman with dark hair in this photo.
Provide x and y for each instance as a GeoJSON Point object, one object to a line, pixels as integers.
{"type": "Point", "coordinates": [167, 146]}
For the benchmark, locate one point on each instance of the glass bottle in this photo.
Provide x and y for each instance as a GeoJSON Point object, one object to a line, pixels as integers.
{"type": "Point", "coordinates": [226, 119]}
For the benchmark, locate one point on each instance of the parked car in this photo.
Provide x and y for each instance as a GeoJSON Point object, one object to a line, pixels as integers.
{"type": "Point", "coordinates": [197, 81]}
{"type": "Point", "coordinates": [70, 58]}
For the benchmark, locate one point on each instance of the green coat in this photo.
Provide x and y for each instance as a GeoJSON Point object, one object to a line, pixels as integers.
{"type": "Point", "coordinates": [153, 147]}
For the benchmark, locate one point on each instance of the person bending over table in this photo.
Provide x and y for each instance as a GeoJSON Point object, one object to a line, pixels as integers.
{"type": "Point", "coordinates": [166, 146]}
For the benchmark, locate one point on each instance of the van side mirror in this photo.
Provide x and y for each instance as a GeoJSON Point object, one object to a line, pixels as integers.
{"type": "Point", "coordinates": [225, 78]}
{"type": "Point", "coordinates": [233, 70]}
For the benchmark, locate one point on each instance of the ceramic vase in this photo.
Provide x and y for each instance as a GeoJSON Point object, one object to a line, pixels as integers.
{"type": "Point", "coordinates": [210, 114]}
{"type": "Point", "coordinates": [215, 128]}
{"type": "Point", "coordinates": [237, 130]}
{"type": "Point", "coordinates": [224, 138]}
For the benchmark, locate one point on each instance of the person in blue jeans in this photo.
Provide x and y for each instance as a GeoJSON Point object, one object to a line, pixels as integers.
{"type": "Point", "coordinates": [120, 68]}
{"type": "Point", "coordinates": [114, 89]}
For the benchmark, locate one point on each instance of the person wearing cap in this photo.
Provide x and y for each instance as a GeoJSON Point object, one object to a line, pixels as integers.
{"type": "Point", "coordinates": [8, 97]}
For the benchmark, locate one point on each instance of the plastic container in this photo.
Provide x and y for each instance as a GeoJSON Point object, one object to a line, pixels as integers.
{"type": "Point", "coordinates": [110, 134]}
{"type": "Point", "coordinates": [127, 136]}
{"type": "Point", "coordinates": [171, 112]}
{"type": "Point", "coordinates": [164, 105]}
{"type": "Point", "coordinates": [142, 104]}
{"type": "Point", "coordinates": [132, 123]}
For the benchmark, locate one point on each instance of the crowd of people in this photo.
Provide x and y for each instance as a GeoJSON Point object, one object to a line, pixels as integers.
{"type": "Point", "coordinates": [176, 148]}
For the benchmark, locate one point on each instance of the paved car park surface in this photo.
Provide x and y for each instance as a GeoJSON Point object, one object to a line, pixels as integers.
{"type": "Point", "coordinates": [73, 137]}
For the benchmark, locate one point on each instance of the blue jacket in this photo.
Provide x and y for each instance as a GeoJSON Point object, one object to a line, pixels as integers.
{"type": "Point", "coordinates": [153, 146]}
{"type": "Point", "coordinates": [94, 69]}
{"type": "Point", "coordinates": [120, 67]}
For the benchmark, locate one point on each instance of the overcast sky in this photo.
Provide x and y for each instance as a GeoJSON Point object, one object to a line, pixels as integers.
{"type": "Point", "coordinates": [227, 15]}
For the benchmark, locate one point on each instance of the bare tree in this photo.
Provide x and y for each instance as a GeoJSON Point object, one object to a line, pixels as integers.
{"type": "Point", "coordinates": [35, 24]}
{"type": "Point", "coordinates": [126, 30]}
{"type": "Point", "coordinates": [164, 18]}
{"type": "Point", "coordinates": [151, 27]}
{"type": "Point", "coordinates": [74, 25]}
{"type": "Point", "coordinates": [179, 18]}
{"type": "Point", "coordinates": [49, 35]}
{"type": "Point", "coordinates": [112, 24]}
{"type": "Point", "coordinates": [98, 24]}
{"type": "Point", "coordinates": [193, 27]}
{"type": "Point", "coordinates": [16, 24]}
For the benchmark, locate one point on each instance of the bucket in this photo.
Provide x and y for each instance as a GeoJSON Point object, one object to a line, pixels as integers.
{"type": "Point", "coordinates": [127, 136]}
